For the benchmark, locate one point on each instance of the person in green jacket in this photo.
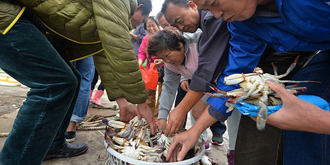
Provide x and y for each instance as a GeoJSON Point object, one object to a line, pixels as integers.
{"type": "Point", "coordinates": [35, 34]}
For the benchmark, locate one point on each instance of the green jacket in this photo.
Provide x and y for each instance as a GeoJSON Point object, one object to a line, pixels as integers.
{"type": "Point", "coordinates": [89, 27]}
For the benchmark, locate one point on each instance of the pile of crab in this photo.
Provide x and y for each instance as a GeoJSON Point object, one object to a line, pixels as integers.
{"type": "Point", "coordinates": [135, 141]}
{"type": "Point", "coordinates": [254, 90]}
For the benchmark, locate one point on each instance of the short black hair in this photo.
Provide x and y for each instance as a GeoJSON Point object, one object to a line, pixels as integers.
{"type": "Point", "coordinates": [183, 3]}
{"type": "Point", "coordinates": [166, 39]}
{"type": "Point", "coordinates": [159, 15]}
{"type": "Point", "coordinates": [151, 18]}
{"type": "Point", "coordinates": [147, 6]}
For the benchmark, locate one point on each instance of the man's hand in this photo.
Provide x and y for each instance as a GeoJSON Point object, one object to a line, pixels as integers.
{"type": "Point", "coordinates": [161, 124]}
{"type": "Point", "coordinates": [134, 36]}
{"type": "Point", "coordinates": [127, 110]}
{"type": "Point", "coordinates": [145, 112]}
{"type": "Point", "coordinates": [181, 144]}
{"type": "Point", "coordinates": [293, 110]}
{"type": "Point", "coordinates": [140, 62]}
{"type": "Point", "coordinates": [178, 115]}
{"type": "Point", "coordinates": [158, 61]}
{"type": "Point", "coordinates": [185, 85]}
{"type": "Point", "coordinates": [175, 121]}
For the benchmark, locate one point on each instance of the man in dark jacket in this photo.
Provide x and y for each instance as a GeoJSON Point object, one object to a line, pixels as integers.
{"type": "Point", "coordinates": [214, 40]}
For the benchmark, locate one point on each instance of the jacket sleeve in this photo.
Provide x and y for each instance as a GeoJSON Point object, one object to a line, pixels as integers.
{"type": "Point", "coordinates": [244, 56]}
{"type": "Point", "coordinates": [140, 32]}
{"type": "Point", "coordinates": [183, 79]}
{"type": "Point", "coordinates": [117, 65]}
{"type": "Point", "coordinates": [142, 51]}
{"type": "Point", "coordinates": [170, 86]}
{"type": "Point", "coordinates": [213, 46]}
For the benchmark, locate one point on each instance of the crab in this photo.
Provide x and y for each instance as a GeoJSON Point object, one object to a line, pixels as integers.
{"type": "Point", "coordinates": [255, 90]}
{"type": "Point", "coordinates": [136, 150]}
{"type": "Point", "coordinates": [135, 141]}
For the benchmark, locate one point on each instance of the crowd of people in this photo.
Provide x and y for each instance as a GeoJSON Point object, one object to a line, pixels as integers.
{"type": "Point", "coordinates": [195, 44]}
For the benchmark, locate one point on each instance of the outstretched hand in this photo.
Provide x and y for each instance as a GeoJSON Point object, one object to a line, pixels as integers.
{"type": "Point", "coordinates": [175, 122]}
{"type": "Point", "coordinates": [145, 112]}
{"type": "Point", "coordinates": [181, 144]}
{"type": "Point", "coordinates": [127, 110]}
{"type": "Point", "coordinates": [293, 110]}
{"type": "Point", "coordinates": [162, 124]}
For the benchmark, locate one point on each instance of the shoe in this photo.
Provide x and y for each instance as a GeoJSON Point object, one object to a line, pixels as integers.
{"type": "Point", "coordinates": [230, 157]}
{"type": "Point", "coordinates": [71, 136]}
{"type": "Point", "coordinates": [217, 139]}
{"type": "Point", "coordinates": [66, 150]}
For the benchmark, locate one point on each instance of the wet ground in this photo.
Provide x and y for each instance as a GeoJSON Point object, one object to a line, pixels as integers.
{"type": "Point", "coordinates": [11, 98]}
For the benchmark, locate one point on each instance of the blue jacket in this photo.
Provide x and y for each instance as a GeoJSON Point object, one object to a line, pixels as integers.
{"type": "Point", "coordinates": [297, 25]}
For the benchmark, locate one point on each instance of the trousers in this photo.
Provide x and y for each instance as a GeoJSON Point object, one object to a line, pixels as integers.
{"type": "Point", "coordinates": [41, 122]}
{"type": "Point", "coordinates": [86, 69]}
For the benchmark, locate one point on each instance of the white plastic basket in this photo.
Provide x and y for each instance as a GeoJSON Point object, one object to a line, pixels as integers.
{"type": "Point", "coordinates": [116, 158]}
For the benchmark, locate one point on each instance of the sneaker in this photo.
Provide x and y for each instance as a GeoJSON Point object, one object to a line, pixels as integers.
{"type": "Point", "coordinates": [230, 157]}
{"type": "Point", "coordinates": [71, 136]}
{"type": "Point", "coordinates": [217, 139]}
{"type": "Point", "coordinates": [66, 150]}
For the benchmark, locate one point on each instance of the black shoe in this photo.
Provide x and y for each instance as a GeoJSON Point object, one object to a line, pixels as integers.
{"type": "Point", "coordinates": [66, 150]}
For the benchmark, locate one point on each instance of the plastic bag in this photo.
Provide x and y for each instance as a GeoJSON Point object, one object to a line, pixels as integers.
{"type": "Point", "coordinates": [150, 76]}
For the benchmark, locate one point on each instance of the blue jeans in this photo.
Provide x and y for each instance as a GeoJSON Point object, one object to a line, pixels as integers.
{"type": "Point", "coordinates": [41, 122]}
{"type": "Point", "coordinates": [218, 127]}
{"type": "Point", "coordinates": [86, 69]}
{"type": "Point", "coordinates": [304, 147]}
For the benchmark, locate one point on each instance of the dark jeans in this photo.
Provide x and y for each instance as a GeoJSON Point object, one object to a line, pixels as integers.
{"type": "Point", "coordinates": [299, 148]}
{"type": "Point", "coordinates": [218, 127]}
{"type": "Point", "coordinates": [41, 122]}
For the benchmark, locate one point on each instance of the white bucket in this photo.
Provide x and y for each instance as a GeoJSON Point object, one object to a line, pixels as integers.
{"type": "Point", "coordinates": [116, 158]}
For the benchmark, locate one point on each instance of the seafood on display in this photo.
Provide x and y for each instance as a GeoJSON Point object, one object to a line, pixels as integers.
{"type": "Point", "coordinates": [254, 90]}
{"type": "Point", "coordinates": [135, 141]}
